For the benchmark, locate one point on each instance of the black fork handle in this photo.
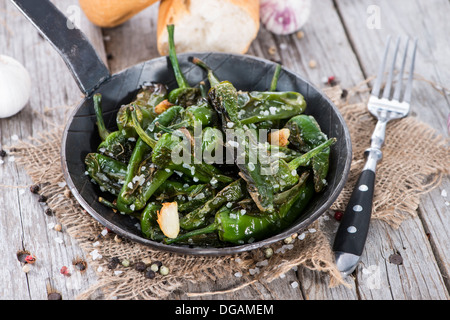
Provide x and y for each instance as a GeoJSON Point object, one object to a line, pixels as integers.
{"type": "Point", "coordinates": [87, 68]}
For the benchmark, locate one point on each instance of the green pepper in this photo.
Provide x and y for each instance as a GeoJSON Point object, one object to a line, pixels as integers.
{"type": "Point", "coordinates": [286, 175]}
{"type": "Point", "coordinates": [198, 218]}
{"type": "Point", "coordinates": [114, 144]}
{"type": "Point", "coordinates": [256, 106]}
{"type": "Point", "coordinates": [162, 157]}
{"type": "Point", "coordinates": [102, 131]}
{"type": "Point", "coordinates": [224, 99]}
{"type": "Point", "coordinates": [237, 227]}
{"type": "Point", "coordinates": [147, 98]}
{"type": "Point", "coordinates": [305, 134]}
{"type": "Point", "coordinates": [149, 226]}
{"type": "Point", "coordinates": [142, 151]}
{"type": "Point", "coordinates": [108, 173]}
{"type": "Point", "coordinates": [184, 95]}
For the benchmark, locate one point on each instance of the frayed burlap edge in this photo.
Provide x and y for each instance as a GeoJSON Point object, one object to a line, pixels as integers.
{"type": "Point", "coordinates": [395, 200]}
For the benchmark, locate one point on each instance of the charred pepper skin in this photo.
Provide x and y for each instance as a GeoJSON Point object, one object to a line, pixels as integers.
{"type": "Point", "coordinates": [199, 218]}
{"type": "Point", "coordinates": [305, 135]}
{"type": "Point", "coordinates": [148, 97]}
{"type": "Point", "coordinates": [234, 227]}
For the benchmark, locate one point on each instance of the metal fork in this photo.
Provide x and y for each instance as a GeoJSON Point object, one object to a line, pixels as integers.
{"type": "Point", "coordinates": [351, 236]}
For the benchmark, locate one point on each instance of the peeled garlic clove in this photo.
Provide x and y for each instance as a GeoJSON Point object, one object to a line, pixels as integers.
{"type": "Point", "coordinates": [279, 138]}
{"type": "Point", "coordinates": [168, 219]}
{"type": "Point", "coordinates": [15, 86]}
{"type": "Point", "coordinates": [284, 16]}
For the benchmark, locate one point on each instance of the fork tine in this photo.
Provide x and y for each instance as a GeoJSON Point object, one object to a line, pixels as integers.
{"type": "Point", "coordinates": [408, 92]}
{"type": "Point", "coordinates": [387, 89]}
{"type": "Point", "coordinates": [398, 88]}
{"type": "Point", "coordinates": [379, 80]}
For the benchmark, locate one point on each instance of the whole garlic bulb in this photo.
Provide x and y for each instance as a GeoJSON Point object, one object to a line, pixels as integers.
{"type": "Point", "coordinates": [284, 16]}
{"type": "Point", "coordinates": [15, 86]}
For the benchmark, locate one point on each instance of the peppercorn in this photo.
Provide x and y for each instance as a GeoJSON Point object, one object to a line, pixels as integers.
{"type": "Point", "coordinates": [268, 252]}
{"type": "Point", "coordinates": [54, 296]}
{"type": "Point", "coordinates": [149, 274]}
{"type": "Point", "coordinates": [154, 267]}
{"type": "Point", "coordinates": [42, 198]}
{"type": "Point", "coordinates": [65, 271]}
{"type": "Point", "coordinates": [2, 153]}
{"type": "Point", "coordinates": [163, 270]}
{"type": "Point", "coordinates": [30, 259]}
{"type": "Point", "coordinates": [21, 256]}
{"type": "Point", "coordinates": [140, 266]}
{"type": "Point", "coordinates": [81, 265]}
{"type": "Point", "coordinates": [338, 215]}
{"type": "Point", "coordinates": [35, 188]}
{"type": "Point", "coordinates": [48, 212]}
{"type": "Point", "coordinates": [125, 263]}
{"type": "Point", "coordinates": [113, 263]}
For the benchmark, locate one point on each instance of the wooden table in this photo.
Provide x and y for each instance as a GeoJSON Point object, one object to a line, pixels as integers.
{"type": "Point", "coordinates": [344, 41]}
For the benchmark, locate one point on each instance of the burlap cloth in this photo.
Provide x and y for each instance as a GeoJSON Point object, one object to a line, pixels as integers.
{"type": "Point", "coordinates": [415, 160]}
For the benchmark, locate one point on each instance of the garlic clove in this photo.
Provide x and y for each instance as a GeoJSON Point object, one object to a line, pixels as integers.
{"type": "Point", "coordinates": [15, 86]}
{"type": "Point", "coordinates": [168, 219]}
{"type": "Point", "coordinates": [284, 16]}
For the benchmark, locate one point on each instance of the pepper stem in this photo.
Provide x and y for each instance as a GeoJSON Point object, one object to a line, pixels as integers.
{"type": "Point", "coordinates": [141, 132]}
{"type": "Point", "coordinates": [102, 131]}
{"type": "Point", "coordinates": [181, 80]}
{"type": "Point", "coordinates": [209, 229]}
{"type": "Point", "coordinates": [213, 80]}
{"type": "Point", "coordinates": [276, 76]}
{"type": "Point", "coordinates": [304, 159]}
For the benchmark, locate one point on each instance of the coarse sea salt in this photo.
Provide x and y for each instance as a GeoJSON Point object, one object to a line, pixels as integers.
{"type": "Point", "coordinates": [444, 193]}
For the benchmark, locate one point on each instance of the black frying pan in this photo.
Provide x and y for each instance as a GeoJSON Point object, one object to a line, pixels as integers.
{"type": "Point", "coordinates": [92, 76]}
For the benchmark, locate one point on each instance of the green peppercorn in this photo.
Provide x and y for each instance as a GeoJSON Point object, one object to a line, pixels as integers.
{"type": "Point", "coordinates": [163, 270]}
{"type": "Point", "coordinates": [125, 263]}
{"type": "Point", "coordinates": [268, 252]}
{"type": "Point", "coordinates": [154, 267]}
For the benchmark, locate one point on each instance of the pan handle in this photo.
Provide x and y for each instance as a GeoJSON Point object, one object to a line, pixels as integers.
{"type": "Point", "coordinates": [77, 52]}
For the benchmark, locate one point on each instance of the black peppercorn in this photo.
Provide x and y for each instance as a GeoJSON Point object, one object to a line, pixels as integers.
{"type": "Point", "coordinates": [54, 296]}
{"type": "Point", "coordinates": [49, 212]}
{"type": "Point", "coordinates": [140, 266]}
{"type": "Point", "coordinates": [42, 198]}
{"type": "Point", "coordinates": [2, 153]}
{"type": "Point", "coordinates": [113, 263]}
{"type": "Point", "coordinates": [149, 273]}
{"type": "Point", "coordinates": [34, 188]}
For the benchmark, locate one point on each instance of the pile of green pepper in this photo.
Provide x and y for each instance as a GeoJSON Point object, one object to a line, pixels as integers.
{"type": "Point", "coordinates": [236, 199]}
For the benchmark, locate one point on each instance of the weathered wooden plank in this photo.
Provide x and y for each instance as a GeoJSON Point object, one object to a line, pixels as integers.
{"type": "Point", "coordinates": [415, 19]}
{"type": "Point", "coordinates": [24, 224]}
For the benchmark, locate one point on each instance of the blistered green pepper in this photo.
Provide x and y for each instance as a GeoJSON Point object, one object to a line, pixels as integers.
{"type": "Point", "coordinates": [149, 226]}
{"type": "Point", "coordinates": [108, 173]}
{"type": "Point", "coordinates": [114, 144]}
{"type": "Point", "coordinates": [199, 217]}
{"type": "Point", "coordinates": [184, 95]}
{"type": "Point", "coordinates": [305, 134]}
{"type": "Point", "coordinates": [142, 151]}
{"type": "Point", "coordinates": [148, 97]}
{"type": "Point", "coordinates": [237, 227]}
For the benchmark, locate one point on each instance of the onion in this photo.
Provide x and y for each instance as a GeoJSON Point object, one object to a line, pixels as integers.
{"type": "Point", "coordinates": [284, 16]}
{"type": "Point", "coordinates": [15, 86]}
